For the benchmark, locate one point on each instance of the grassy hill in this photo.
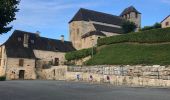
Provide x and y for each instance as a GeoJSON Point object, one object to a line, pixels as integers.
{"type": "Point", "coordinates": [146, 47]}
{"type": "Point", "coordinates": [131, 54]}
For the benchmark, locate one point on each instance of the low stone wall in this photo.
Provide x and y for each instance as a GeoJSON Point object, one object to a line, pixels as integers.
{"type": "Point", "coordinates": [54, 73]}
{"type": "Point", "coordinates": [117, 75]}
{"type": "Point", "coordinates": [117, 80]}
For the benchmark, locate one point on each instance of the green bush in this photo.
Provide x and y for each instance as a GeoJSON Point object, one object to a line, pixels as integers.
{"type": "Point", "coordinates": [79, 54]}
{"type": "Point", "coordinates": [149, 36]}
{"type": "Point", "coordinates": [2, 78]}
{"type": "Point", "coordinates": [128, 26]}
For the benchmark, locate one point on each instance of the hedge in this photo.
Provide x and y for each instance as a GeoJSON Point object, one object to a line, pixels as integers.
{"type": "Point", "coordinates": [2, 78]}
{"type": "Point", "coordinates": [79, 54]}
{"type": "Point", "coordinates": [149, 36]}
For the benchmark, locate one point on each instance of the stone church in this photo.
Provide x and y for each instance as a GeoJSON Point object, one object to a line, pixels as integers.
{"type": "Point", "coordinates": [25, 53]}
{"type": "Point", "coordinates": [87, 25]}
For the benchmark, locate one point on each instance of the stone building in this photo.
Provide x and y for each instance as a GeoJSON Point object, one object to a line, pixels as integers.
{"type": "Point", "coordinates": [24, 52]}
{"type": "Point", "coordinates": [88, 25]}
{"type": "Point", "coordinates": [166, 22]}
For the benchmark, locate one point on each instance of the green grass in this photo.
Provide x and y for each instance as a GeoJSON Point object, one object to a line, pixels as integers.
{"type": "Point", "coordinates": [150, 36]}
{"type": "Point", "coordinates": [132, 54]}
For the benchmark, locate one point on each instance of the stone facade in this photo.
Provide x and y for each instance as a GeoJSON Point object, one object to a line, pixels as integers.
{"type": "Point", "coordinates": [13, 69]}
{"type": "Point", "coordinates": [134, 17]}
{"type": "Point", "coordinates": [79, 27]}
{"type": "Point", "coordinates": [166, 22]}
{"type": "Point", "coordinates": [2, 61]}
{"type": "Point", "coordinates": [50, 56]}
{"type": "Point", "coordinates": [25, 54]}
{"type": "Point", "coordinates": [55, 73]}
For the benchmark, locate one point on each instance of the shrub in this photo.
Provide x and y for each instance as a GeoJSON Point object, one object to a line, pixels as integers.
{"type": "Point", "coordinates": [2, 78]}
{"type": "Point", "coordinates": [79, 54]}
{"type": "Point", "coordinates": [155, 26]}
{"type": "Point", "coordinates": [128, 26]}
{"type": "Point", "coordinates": [149, 36]}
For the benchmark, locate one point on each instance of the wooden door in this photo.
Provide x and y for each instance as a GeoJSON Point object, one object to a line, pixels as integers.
{"type": "Point", "coordinates": [21, 74]}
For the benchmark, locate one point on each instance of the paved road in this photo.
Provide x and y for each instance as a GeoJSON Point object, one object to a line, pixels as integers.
{"type": "Point", "coordinates": [60, 90]}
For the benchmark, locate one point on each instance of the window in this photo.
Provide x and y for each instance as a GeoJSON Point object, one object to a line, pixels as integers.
{"type": "Point", "coordinates": [19, 38]}
{"type": "Point", "coordinates": [21, 62]}
{"type": "Point", "coordinates": [56, 62]}
{"type": "Point", "coordinates": [167, 23]}
{"type": "Point", "coordinates": [77, 31]}
{"type": "Point", "coordinates": [136, 15]}
{"type": "Point", "coordinates": [32, 41]}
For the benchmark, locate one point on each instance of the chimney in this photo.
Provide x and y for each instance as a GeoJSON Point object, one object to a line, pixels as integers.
{"type": "Point", "coordinates": [37, 33]}
{"type": "Point", "coordinates": [62, 38]}
{"type": "Point", "coordinates": [25, 42]}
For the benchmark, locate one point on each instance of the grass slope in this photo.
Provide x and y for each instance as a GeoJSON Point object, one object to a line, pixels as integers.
{"type": "Point", "coordinates": [132, 54]}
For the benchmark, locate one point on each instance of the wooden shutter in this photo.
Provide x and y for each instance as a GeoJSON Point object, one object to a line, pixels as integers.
{"type": "Point", "coordinates": [21, 62]}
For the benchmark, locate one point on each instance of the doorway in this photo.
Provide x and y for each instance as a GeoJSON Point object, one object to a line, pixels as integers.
{"type": "Point", "coordinates": [21, 74]}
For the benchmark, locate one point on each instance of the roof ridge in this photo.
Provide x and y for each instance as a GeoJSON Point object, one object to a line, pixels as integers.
{"type": "Point", "coordinates": [39, 36]}
{"type": "Point", "coordinates": [100, 12]}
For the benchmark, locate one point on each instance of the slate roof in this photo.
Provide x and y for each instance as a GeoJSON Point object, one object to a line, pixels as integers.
{"type": "Point", "coordinates": [93, 33]}
{"type": "Point", "coordinates": [165, 18]}
{"type": "Point", "coordinates": [128, 10]}
{"type": "Point", "coordinates": [108, 29]}
{"type": "Point", "coordinates": [90, 15]}
{"type": "Point", "coordinates": [15, 48]}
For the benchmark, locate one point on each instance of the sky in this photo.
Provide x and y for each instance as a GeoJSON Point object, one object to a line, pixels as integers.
{"type": "Point", "coordinates": [51, 17]}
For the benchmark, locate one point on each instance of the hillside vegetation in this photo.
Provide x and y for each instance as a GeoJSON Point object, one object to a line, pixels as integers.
{"type": "Point", "coordinates": [74, 55]}
{"type": "Point", "coordinates": [146, 47]}
{"type": "Point", "coordinates": [150, 36]}
{"type": "Point", "coordinates": [131, 54]}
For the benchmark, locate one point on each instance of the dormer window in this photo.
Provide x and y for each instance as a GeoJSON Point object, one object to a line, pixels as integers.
{"type": "Point", "coordinates": [32, 41]}
{"type": "Point", "coordinates": [19, 38]}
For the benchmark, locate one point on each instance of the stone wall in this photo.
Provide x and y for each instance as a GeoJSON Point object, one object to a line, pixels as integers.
{"type": "Point", "coordinates": [50, 56]}
{"type": "Point", "coordinates": [13, 69]}
{"type": "Point", "coordinates": [2, 61]}
{"type": "Point", "coordinates": [54, 73]}
{"type": "Point", "coordinates": [121, 75]}
{"type": "Point", "coordinates": [77, 29]}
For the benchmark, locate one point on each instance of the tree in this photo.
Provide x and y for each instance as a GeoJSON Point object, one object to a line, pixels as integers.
{"type": "Point", "coordinates": [128, 27]}
{"type": "Point", "coordinates": [8, 8]}
{"type": "Point", "coordinates": [155, 26]}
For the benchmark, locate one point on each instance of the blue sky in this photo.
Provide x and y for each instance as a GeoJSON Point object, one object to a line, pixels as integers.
{"type": "Point", "coordinates": [51, 17]}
